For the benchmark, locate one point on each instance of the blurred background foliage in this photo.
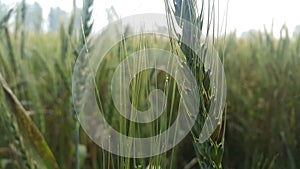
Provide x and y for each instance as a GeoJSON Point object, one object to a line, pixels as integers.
{"type": "Point", "coordinates": [263, 100]}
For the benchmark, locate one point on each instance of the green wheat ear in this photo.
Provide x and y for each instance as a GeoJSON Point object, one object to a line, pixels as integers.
{"type": "Point", "coordinates": [86, 24]}
{"type": "Point", "coordinates": [209, 153]}
{"type": "Point", "coordinates": [86, 28]}
{"type": "Point", "coordinates": [4, 20]}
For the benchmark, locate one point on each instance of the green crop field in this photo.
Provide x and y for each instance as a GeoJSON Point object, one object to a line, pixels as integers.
{"type": "Point", "coordinates": [38, 123]}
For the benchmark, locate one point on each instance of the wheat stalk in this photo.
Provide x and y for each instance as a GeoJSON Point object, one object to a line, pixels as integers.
{"type": "Point", "coordinates": [3, 25]}
{"type": "Point", "coordinates": [23, 17]}
{"type": "Point", "coordinates": [86, 27]}
{"type": "Point", "coordinates": [209, 153]}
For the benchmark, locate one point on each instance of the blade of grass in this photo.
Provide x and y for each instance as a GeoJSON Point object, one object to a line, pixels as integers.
{"type": "Point", "coordinates": [28, 129]}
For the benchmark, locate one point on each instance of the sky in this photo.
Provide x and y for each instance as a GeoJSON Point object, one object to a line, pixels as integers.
{"type": "Point", "coordinates": [243, 15]}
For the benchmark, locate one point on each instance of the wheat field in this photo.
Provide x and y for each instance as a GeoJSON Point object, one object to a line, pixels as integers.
{"type": "Point", "coordinates": [38, 123]}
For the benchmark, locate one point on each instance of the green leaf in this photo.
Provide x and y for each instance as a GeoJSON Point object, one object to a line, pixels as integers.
{"type": "Point", "coordinates": [38, 149]}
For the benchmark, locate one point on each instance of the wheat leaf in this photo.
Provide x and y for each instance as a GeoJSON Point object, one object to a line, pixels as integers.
{"type": "Point", "coordinates": [29, 131]}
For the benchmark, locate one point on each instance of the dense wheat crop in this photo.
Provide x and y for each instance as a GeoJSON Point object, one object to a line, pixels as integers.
{"type": "Point", "coordinates": [39, 129]}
